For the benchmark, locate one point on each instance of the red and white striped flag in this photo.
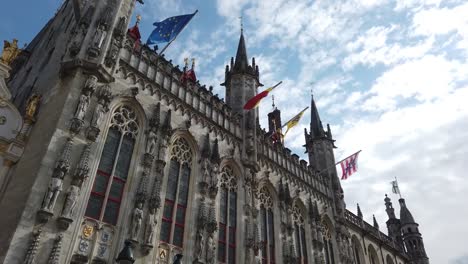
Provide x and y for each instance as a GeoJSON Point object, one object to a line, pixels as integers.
{"type": "Point", "coordinates": [349, 165]}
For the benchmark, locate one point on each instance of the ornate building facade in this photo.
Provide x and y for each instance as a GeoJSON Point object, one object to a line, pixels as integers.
{"type": "Point", "coordinates": [124, 149]}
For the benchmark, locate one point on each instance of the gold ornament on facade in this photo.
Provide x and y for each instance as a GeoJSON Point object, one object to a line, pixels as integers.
{"type": "Point", "coordinates": [88, 231]}
{"type": "Point", "coordinates": [32, 106]}
{"type": "Point", "coordinates": [326, 228]}
{"type": "Point", "coordinates": [10, 51]}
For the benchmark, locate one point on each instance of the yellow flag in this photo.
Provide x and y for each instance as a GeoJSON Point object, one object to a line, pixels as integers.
{"type": "Point", "coordinates": [294, 121]}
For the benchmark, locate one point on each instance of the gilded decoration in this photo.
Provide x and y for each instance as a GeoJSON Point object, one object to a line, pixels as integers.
{"type": "Point", "coordinates": [32, 106]}
{"type": "Point", "coordinates": [88, 231]}
{"type": "Point", "coordinates": [10, 51]}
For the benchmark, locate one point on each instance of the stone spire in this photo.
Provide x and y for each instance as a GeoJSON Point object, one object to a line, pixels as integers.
{"type": "Point", "coordinates": [412, 238]}
{"type": "Point", "coordinates": [359, 213]}
{"type": "Point", "coordinates": [316, 127]}
{"type": "Point", "coordinates": [241, 63]}
{"type": "Point", "coordinates": [215, 158]}
{"type": "Point", "coordinates": [389, 208]}
{"type": "Point", "coordinates": [376, 225]}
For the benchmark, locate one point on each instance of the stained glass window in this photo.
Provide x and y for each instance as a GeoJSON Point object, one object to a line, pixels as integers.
{"type": "Point", "coordinates": [178, 183]}
{"type": "Point", "coordinates": [111, 176]}
{"type": "Point", "coordinates": [227, 217]}
{"type": "Point", "coordinates": [267, 227]}
{"type": "Point", "coordinates": [299, 235]}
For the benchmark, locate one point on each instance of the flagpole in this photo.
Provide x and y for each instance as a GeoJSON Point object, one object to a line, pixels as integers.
{"type": "Point", "coordinates": [285, 124]}
{"type": "Point", "coordinates": [399, 192]}
{"type": "Point", "coordinates": [167, 45]}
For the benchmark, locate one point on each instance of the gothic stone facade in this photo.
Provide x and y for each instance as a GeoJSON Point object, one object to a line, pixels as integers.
{"type": "Point", "coordinates": [122, 150]}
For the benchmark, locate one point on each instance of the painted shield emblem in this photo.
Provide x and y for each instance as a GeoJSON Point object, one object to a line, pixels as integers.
{"type": "Point", "coordinates": [88, 231]}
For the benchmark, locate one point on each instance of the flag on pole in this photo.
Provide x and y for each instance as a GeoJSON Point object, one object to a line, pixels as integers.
{"type": "Point", "coordinates": [168, 29]}
{"type": "Point", "coordinates": [349, 165]}
{"type": "Point", "coordinates": [395, 188]}
{"type": "Point", "coordinates": [294, 121]}
{"type": "Point", "coordinates": [254, 101]}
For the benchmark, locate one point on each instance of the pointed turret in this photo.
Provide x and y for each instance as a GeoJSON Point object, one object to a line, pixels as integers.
{"type": "Point", "coordinates": [376, 225]}
{"type": "Point", "coordinates": [215, 158]}
{"type": "Point", "coordinates": [393, 223]}
{"type": "Point", "coordinates": [206, 151]}
{"type": "Point", "coordinates": [412, 239]}
{"type": "Point", "coordinates": [359, 213]}
{"type": "Point", "coordinates": [316, 127]}
{"type": "Point", "coordinates": [242, 82]}
{"type": "Point", "coordinates": [405, 215]}
{"type": "Point", "coordinates": [241, 63]}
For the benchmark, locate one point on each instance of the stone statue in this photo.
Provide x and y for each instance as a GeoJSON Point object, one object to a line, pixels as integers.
{"type": "Point", "coordinates": [10, 51]}
{"type": "Point", "coordinates": [99, 113]}
{"type": "Point", "coordinates": [210, 250]}
{"type": "Point", "coordinates": [91, 83]}
{"type": "Point", "coordinates": [54, 189]}
{"type": "Point", "coordinates": [206, 170]}
{"type": "Point", "coordinates": [151, 141]}
{"type": "Point", "coordinates": [70, 202]}
{"type": "Point", "coordinates": [151, 222]}
{"type": "Point", "coordinates": [137, 220]}
{"type": "Point", "coordinates": [199, 245]}
{"type": "Point", "coordinates": [32, 105]}
{"type": "Point", "coordinates": [82, 105]}
{"type": "Point", "coordinates": [162, 149]}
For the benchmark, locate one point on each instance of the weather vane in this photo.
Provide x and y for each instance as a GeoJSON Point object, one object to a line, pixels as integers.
{"type": "Point", "coordinates": [241, 24]}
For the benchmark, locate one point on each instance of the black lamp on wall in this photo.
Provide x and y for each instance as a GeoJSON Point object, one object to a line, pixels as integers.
{"type": "Point", "coordinates": [126, 255]}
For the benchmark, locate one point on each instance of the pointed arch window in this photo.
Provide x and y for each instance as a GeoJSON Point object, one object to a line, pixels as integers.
{"type": "Point", "coordinates": [299, 235]}
{"type": "Point", "coordinates": [267, 227]}
{"type": "Point", "coordinates": [175, 204]}
{"type": "Point", "coordinates": [107, 192]}
{"type": "Point", "coordinates": [327, 241]}
{"type": "Point", "coordinates": [227, 217]}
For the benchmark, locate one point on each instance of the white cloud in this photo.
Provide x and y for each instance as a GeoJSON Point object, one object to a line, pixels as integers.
{"type": "Point", "coordinates": [437, 21]}
{"type": "Point", "coordinates": [425, 79]}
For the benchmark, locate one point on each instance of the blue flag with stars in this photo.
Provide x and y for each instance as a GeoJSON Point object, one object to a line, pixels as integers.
{"type": "Point", "coordinates": [168, 29]}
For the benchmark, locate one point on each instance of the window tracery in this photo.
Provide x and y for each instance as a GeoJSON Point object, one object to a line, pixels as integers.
{"type": "Point", "coordinates": [299, 234]}
{"type": "Point", "coordinates": [327, 240]}
{"type": "Point", "coordinates": [107, 192]}
{"type": "Point", "coordinates": [267, 226]}
{"type": "Point", "coordinates": [228, 216]}
{"type": "Point", "coordinates": [176, 200]}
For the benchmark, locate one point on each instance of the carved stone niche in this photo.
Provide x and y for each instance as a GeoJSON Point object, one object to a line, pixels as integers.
{"type": "Point", "coordinates": [43, 216]}
{"type": "Point", "coordinates": [92, 133]}
{"type": "Point", "coordinates": [76, 125]}
{"type": "Point", "coordinates": [63, 223]}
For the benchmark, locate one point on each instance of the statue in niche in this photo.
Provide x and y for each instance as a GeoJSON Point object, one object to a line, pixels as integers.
{"type": "Point", "coordinates": [151, 141]}
{"type": "Point", "coordinates": [162, 149]}
{"type": "Point", "coordinates": [99, 113]}
{"type": "Point", "coordinates": [151, 222]}
{"type": "Point", "coordinates": [70, 201]}
{"type": "Point", "coordinates": [137, 218]}
{"type": "Point", "coordinates": [91, 83]}
{"type": "Point", "coordinates": [199, 244]}
{"type": "Point", "coordinates": [54, 189]}
{"type": "Point", "coordinates": [82, 105]}
{"type": "Point", "coordinates": [206, 170]}
{"type": "Point", "coordinates": [32, 106]}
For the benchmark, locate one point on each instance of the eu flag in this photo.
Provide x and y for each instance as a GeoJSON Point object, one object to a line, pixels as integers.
{"type": "Point", "coordinates": [168, 29]}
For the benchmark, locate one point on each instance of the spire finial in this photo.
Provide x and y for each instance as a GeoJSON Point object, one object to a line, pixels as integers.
{"type": "Point", "coordinates": [273, 102]}
{"type": "Point", "coordinates": [241, 24]}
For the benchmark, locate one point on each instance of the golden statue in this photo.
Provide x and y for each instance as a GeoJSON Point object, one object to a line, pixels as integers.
{"type": "Point", "coordinates": [32, 105]}
{"type": "Point", "coordinates": [10, 51]}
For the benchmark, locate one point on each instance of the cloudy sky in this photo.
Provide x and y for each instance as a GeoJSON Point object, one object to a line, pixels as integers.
{"type": "Point", "coordinates": [391, 78]}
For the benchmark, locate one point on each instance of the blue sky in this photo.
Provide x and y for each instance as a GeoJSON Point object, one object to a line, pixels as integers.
{"type": "Point", "coordinates": [391, 77]}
